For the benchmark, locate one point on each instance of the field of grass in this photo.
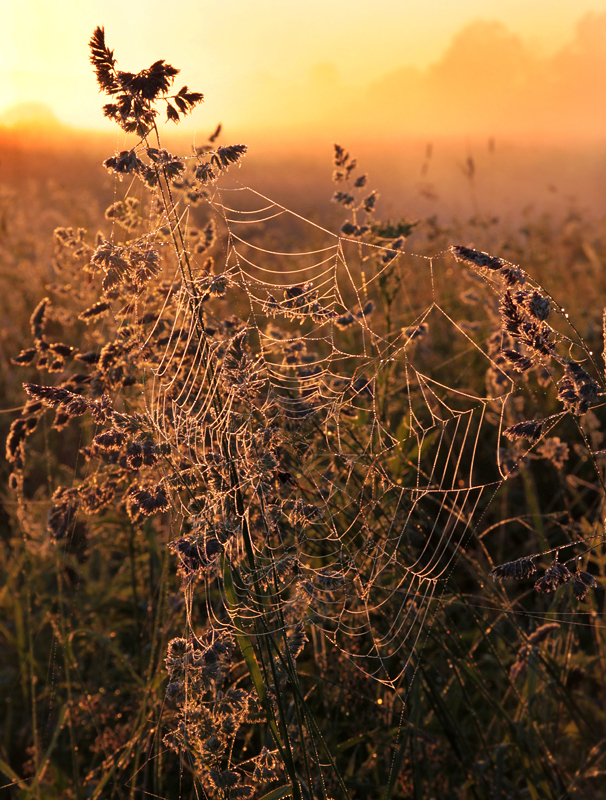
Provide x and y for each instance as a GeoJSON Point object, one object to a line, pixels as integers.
{"type": "Point", "coordinates": [299, 500]}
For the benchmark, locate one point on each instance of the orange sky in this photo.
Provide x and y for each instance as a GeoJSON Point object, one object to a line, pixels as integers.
{"type": "Point", "coordinates": [393, 66]}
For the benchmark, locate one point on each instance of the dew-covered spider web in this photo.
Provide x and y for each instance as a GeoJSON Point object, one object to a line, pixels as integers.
{"type": "Point", "coordinates": [337, 383]}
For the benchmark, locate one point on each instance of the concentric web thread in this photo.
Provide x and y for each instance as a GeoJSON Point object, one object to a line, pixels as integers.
{"type": "Point", "coordinates": [302, 384]}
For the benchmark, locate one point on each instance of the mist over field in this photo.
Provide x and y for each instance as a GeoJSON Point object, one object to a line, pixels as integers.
{"type": "Point", "coordinates": [533, 125]}
{"type": "Point", "coordinates": [415, 177]}
{"type": "Point", "coordinates": [488, 82]}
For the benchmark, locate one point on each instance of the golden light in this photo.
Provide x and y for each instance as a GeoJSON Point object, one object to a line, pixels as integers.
{"type": "Point", "coordinates": [325, 66]}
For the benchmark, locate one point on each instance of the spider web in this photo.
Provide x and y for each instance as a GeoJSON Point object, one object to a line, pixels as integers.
{"type": "Point", "coordinates": [381, 484]}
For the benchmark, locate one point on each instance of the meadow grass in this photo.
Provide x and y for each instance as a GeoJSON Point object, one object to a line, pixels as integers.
{"type": "Point", "coordinates": [250, 520]}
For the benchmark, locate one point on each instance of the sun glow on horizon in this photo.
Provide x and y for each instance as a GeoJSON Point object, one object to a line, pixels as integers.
{"type": "Point", "coordinates": [323, 65]}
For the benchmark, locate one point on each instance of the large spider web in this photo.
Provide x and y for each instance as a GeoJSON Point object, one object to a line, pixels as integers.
{"type": "Point", "coordinates": [384, 421]}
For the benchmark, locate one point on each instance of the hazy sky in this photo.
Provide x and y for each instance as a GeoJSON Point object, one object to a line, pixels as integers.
{"type": "Point", "coordinates": [219, 44]}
